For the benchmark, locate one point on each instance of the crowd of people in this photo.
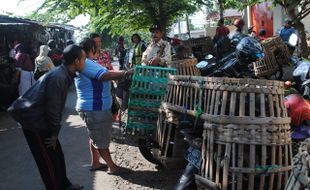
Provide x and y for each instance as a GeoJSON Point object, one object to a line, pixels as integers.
{"type": "Point", "coordinates": [45, 80]}
{"type": "Point", "coordinates": [41, 102]}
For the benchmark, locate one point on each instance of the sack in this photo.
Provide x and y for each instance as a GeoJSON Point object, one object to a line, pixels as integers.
{"type": "Point", "coordinates": [37, 74]}
{"type": "Point", "coordinates": [115, 105]}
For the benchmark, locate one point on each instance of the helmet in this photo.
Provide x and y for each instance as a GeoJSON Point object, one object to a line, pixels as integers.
{"type": "Point", "coordinates": [238, 22]}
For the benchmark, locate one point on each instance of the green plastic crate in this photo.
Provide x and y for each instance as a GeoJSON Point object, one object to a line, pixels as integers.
{"type": "Point", "coordinates": [147, 91]}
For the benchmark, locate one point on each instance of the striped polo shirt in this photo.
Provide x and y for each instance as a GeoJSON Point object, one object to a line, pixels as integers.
{"type": "Point", "coordinates": [92, 93]}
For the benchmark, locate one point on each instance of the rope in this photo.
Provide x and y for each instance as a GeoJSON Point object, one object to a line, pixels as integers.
{"type": "Point", "coordinates": [198, 109]}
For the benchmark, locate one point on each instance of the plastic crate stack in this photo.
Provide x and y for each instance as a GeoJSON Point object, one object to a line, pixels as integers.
{"type": "Point", "coordinates": [148, 89]}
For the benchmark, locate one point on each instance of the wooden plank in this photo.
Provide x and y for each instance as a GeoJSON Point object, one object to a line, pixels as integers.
{"type": "Point", "coordinates": [224, 102]}
{"type": "Point", "coordinates": [192, 98]}
{"type": "Point", "coordinates": [263, 160]}
{"type": "Point", "coordinates": [208, 102]}
{"type": "Point", "coordinates": [286, 161]}
{"type": "Point", "coordinates": [212, 102]}
{"type": "Point", "coordinates": [278, 110]}
{"type": "Point", "coordinates": [279, 181]}
{"type": "Point", "coordinates": [164, 135]}
{"type": "Point", "coordinates": [208, 154]}
{"type": "Point", "coordinates": [262, 105]}
{"type": "Point", "coordinates": [242, 104]}
{"type": "Point", "coordinates": [271, 108]}
{"type": "Point", "coordinates": [252, 160]}
{"type": "Point", "coordinates": [252, 104]}
{"type": "Point", "coordinates": [273, 161]}
{"type": "Point", "coordinates": [168, 139]}
{"type": "Point", "coordinates": [240, 165]}
{"type": "Point", "coordinates": [226, 166]}
{"type": "Point", "coordinates": [203, 152]}
{"type": "Point", "coordinates": [211, 154]}
{"type": "Point", "coordinates": [218, 163]}
{"type": "Point", "coordinates": [233, 102]}
{"type": "Point", "coordinates": [217, 102]}
{"type": "Point", "coordinates": [233, 165]}
{"type": "Point", "coordinates": [204, 104]}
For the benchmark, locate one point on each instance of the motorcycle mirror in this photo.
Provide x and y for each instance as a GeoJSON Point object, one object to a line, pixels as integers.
{"type": "Point", "coordinates": [202, 64]}
{"type": "Point", "coordinates": [293, 40]}
{"type": "Point", "coordinates": [209, 56]}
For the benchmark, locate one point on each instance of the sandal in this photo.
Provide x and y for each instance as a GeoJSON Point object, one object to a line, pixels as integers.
{"type": "Point", "coordinates": [102, 167]}
{"type": "Point", "coordinates": [119, 171]}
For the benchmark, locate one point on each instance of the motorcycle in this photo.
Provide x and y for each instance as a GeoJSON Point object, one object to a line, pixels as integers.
{"type": "Point", "coordinates": [301, 76]}
{"type": "Point", "coordinates": [238, 63]}
{"type": "Point", "coordinates": [194, 139]}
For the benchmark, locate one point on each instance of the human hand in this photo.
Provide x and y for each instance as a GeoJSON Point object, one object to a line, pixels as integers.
{"type": "Point", "coordinates": [51, 142]}
{"type": "Point", "coordinates": [155, 61]}
{"type": "Point", "coordinates": [129, 72]}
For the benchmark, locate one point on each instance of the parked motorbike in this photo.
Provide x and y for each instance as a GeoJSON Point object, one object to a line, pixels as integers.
{"type": "Point", "coordinates": [237, 64]}
{"type": "Point", "coordinates": [194, 139]}
{"type": "Point", "coordinates": [301, 76]}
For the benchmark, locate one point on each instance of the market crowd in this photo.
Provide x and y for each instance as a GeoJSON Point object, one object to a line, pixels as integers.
{"type": "Point", "coordinates": [43, 88]}
{"type": "Point", "coordinates": [46, 78]}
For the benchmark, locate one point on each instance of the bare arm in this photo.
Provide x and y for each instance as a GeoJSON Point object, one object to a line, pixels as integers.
{"type": "Point", "coordinates": [116, 75]}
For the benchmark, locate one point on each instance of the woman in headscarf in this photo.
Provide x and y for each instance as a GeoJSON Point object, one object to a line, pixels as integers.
{"type": "Point", "coordinates": [43, 63]}
{"type": "Point", "coordinates": [26, 66]}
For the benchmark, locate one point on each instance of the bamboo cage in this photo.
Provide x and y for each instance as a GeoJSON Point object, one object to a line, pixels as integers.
{"type": "Point", "coordinates": [246, 138]}
{"type": "Point", "coordinates": [185, 66]}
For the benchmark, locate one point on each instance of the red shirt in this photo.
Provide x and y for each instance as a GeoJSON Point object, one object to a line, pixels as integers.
{"type": "Point", "coordinates": [222, 31]}
{"type": "Point", "coordinates": [298, 109]}
{"type": "Point", "coordinates": [104, 59]}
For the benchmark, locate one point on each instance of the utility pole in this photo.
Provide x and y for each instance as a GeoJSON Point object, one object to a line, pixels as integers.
{"type": "Point", "coordinates": [187, 25]}
{"type": "Point", "coordinates": [179, 26]}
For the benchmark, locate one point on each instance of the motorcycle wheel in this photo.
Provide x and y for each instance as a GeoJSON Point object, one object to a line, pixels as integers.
{"type": "Point", "coordinates": [145, 148]}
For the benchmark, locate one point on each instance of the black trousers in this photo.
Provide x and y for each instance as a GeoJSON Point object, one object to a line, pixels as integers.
{"type": "Point", "coordinates": [51, 163]}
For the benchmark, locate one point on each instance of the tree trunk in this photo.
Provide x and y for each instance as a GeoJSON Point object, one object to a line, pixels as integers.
{"type": "Point", "coordinates": [221, 6]}
{"type": "Point", "coordinates": [303, 40]}
{"type": "Point", "coordinates": [300, 27]}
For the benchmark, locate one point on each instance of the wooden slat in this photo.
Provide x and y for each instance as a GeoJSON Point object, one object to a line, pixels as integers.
{"type": "Point", "coordinates": [263, 161]}
{"type": "Point", "coordinates": [211, 154]}
{"type": "Point", "coordinates": [168, 139]}
{"type": "Point", "coordinates": [252, 161]}
{"type": "Point", "coordinates": [217, 102]}
{"type": "Point", "coordinates": [226, 162]}
{"type": "Point", "coordinates": [203, 153]}
{"type": "Point", "coordinates": [252, 104]}
{"type": "Point", "coordinates": [224, 102]}
{"type": "Point", "coordinates": [233, 165]}
{"type": "Point", "coordinates": [279, 180]}
{"type": "Point", "coordinates": [242, 104]}
{"type": "Point", "coordinates": [273, 161]}
{"type": "Point", "coordinates": [218, 163]}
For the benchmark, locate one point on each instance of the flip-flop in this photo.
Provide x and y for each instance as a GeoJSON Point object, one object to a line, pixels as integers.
{"type": "Point", "coordinates": [102, 167]}
{"type": "Point", "coordinates": [119, 171]}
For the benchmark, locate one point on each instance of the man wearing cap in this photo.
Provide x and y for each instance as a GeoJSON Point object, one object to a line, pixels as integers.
{"type": "Point", "coordinates": [158, 53]}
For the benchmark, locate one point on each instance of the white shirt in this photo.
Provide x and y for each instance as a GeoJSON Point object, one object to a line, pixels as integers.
{"type": "Point", "coordinates": [12, 53]}
{"type": "Point", "coordinates": [154, 49]}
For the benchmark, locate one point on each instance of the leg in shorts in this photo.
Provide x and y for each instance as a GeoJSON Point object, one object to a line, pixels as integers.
{"type": "Point", "coordinates": [99, 127]}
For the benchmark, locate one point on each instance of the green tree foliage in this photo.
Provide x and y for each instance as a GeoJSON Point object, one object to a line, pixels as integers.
{"type": "Point", "coordinates": [118, 16]}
